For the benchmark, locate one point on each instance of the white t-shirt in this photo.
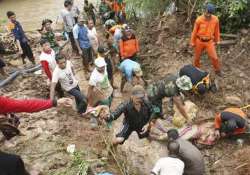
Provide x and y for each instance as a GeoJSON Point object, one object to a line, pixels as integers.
{"type": "Point", "coordinates": [101, 82]}
{"type": "Point", "coordinates": [50, 58]}
{"type": "Point", "coordinates": [168, 166]}
{"type": "Point", "coordinates": [68, 20]}
{"type": "Point", "coordinates": [65, 77]}
{"type": "Point", "coordinates": [92, 34]}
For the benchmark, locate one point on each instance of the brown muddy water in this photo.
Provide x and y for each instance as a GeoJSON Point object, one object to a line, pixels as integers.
{"type": "Point", "coordinates": [31, 12]}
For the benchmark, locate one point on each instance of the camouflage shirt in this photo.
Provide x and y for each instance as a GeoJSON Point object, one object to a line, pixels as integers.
{"type": "Point", "coordinates": [50, 36]}
{"type": "Point", "coordinates": [104, 8]}
{"type": "Point", "coordinates": [163, 88]}
{"type": "Point", "coordinates": [89, 9]}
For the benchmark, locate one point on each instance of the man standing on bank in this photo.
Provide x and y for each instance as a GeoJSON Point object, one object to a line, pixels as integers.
{"type": "Point", "coordinates": [206, 35]}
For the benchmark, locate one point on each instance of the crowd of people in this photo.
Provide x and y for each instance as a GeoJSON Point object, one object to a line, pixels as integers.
{"type": "Point", "coordinates": [101, 60]}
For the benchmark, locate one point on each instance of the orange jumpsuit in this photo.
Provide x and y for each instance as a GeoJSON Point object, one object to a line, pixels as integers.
{"type": "Point", "coordinates": [205, 34]}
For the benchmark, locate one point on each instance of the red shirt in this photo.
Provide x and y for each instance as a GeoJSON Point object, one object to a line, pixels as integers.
{"type": "Point", "coordinates": [8, 105]}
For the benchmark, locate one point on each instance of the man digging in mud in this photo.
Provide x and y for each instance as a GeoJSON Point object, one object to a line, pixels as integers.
{"type": "Point", "coordinates": [100, 90]}
{"type": "Point", "coordinates": [138, 112]}
{"type": "Point", "coordinates": [131, 73]}
{"type": "Point", "coordinates": [201, 80]}
{"type": "Point", "coordinates": [206, 35]}
{"type": "Point", "coordinates": [232, 121]}
{"type": "Point", "coordinates": [171, 86]}
{"type": "Point", "coordinates": [189, 154]}
{"type": "Point", "coordinates": [64, 74]}
{"type": "Point", "coordinates": [11, 164]}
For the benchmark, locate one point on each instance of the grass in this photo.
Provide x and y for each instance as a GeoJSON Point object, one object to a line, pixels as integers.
{"type": "Point", "coordinates": [78, 165]}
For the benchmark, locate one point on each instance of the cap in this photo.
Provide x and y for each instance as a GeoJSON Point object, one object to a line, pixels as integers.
{"type": "Point", "coordinates": [184, 83]}
{"type": "Point", "coordinates": [138, 91]}
{"type": "Point", "coordinates": [45, 21]}
{"type": "Point", "coordinates": [210, 8]}
{"type": "Point", "coordinates": [138, 72]}
{"type": "Point", "coordinates": [109, 22]}
{"type": "Point", "coordinates": [100, 62]}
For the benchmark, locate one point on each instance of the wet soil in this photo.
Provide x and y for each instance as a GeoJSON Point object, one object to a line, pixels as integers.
{"type": "Point", "coordinates": [48, 133]}
{"type": "Point", "coordinates": [165, 48]}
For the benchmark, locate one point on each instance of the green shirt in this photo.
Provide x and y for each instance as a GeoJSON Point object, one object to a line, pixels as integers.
{"type": "Point", "coordinates": [163, 88]}
{"type": "Point", "coordinates": [50, 36]}
{"type": "Point", "coordinates": [89, 9]}
{"type": "Point", "coordinates": [104, 8]}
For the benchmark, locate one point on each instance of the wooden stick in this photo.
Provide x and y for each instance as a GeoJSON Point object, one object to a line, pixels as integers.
{"type": "Point", "coordinates": [240, 166]}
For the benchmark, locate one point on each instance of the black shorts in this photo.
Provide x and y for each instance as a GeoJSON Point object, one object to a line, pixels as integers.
{"type": "Point", "coordinates": [2, 64]}
{"type": "Point", "coordinates": [27, 52]}
{"type": "Point", "coordinates": [126, 131]}
{"type": "Point", "coordinates": [87, 55]}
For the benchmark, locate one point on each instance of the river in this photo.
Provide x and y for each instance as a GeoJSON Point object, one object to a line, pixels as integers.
{"type": "Point", "coordinates": [31, 12]}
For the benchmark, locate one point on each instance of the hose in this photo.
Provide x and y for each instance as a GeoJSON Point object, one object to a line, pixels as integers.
{"type": "Point", "coordinates": [17, 73]}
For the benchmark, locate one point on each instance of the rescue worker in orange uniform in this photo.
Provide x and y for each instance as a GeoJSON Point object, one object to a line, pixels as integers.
{"type": "Point", "coordinates": [205, 36]}
{"type": "Point", "coordinates": [232, 121]}
{"type": "Point", "coordinates": [128, 45]}
{"type": "Point", "coordinates": [119, 9]}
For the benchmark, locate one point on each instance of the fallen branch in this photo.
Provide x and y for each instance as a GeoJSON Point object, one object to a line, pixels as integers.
{"type": "Point", "coordinates": [243, 50]}
{"type": "Point", "coordinates": [227, 42]}
{"type": "Point", "coordinates": [121, 167]}
{"type": "Point", "coordinates": [229, 35]}
{"type": "Point", "coordinates": [240, 166]}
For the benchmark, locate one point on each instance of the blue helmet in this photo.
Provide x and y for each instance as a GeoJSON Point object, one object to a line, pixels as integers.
{"type": "Point", "coordinates": [210, 8]}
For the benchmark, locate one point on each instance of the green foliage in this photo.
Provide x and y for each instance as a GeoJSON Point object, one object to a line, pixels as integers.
{"type": "Point", "coordinates": [78, 166]}
{"type": "Point", "coordinates": [80, 163]}
{"type": "Point", "coordinates": [145, 8]}
{"type": "Point", "coordinates": [233, 14]}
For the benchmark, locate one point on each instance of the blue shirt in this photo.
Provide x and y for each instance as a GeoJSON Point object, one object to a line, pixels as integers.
{"type": "Point", "coordinates": [18, 32]}
{"type": "Point", "coordinates": [127, 67]}
{"type": "Point", "coordinates": [81, 34]}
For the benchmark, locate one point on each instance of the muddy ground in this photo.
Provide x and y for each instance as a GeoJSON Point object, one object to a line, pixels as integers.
{"type": "Point", "coordinates": [48, 133]}
{"type": "Point", "coordinates": [165, 49]}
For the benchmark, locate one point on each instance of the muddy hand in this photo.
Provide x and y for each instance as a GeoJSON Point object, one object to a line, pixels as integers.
{"type": "Point", "coordinates": [104, 113]}
{"type": "Point", "coordinates": [145, 129]}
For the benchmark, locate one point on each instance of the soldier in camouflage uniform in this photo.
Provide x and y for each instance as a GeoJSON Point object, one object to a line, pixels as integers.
{"type": "Point", "coordinates": [170, 86]}
{"type": "Point", "coordinates": [48, 34]}
{"type": "Point", "coordinates": [90, 9]}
